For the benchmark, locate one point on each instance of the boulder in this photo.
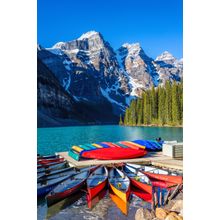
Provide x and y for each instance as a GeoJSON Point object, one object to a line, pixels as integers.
{"type": "Point", "coordinates": [173, 216]}
{"type": "Point", "coordinates": [178, 206]}
{"type": "Point", "coordinates": [139, 215]}
{"type": "Point", "coordinates": [142, 214]}
{"type": "Point", "coordinates": [161, 213]}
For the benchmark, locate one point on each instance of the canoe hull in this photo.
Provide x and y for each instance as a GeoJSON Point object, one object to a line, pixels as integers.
{"type": "Point", "coordinates": [74, 155]}
{"type": "Point", "coordinates": [143, 186]}
{"type": "Point", "coordinates": [124, 196]}
{"type": "Point", "coordinates": [142, 194]}
{"type": "Point", "coordinates": [113, 153]}
{"type": "Point", "coordinates": [121, 204]}
{"type": "Point", "coordinates": [51, 199]}
{"type": "Point", "coordinates": [92, 192]}
{"type": "Point", "coordinates": [165, 178]}
{"type": "Point", "coordinates": [44, 190]}
{"type": "Point", "coordinates": [95, 199]}
{"type": "Point", "coordinates": [48, 161]}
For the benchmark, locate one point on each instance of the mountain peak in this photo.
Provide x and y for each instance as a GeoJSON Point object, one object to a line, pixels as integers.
{"type": "Point", "coordinates": [133, 45]}
{"type": "Point", "coordinates": [166, 55]}
{"type": "Point", "coordinates": [58, 45]}
{"type": "Point", "coordinates": [89, 35]}
{"type": "Point", "coordinates": [39, 47]}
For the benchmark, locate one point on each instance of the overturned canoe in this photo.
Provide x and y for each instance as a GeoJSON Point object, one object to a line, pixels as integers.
{"type": "Point", "coordinates": [96, 182]}
{"type": "Point", "coordinates": [119, 184]}
{"type": "Point", "coordinates": [130, 145]}
{"type": "Point", "coordinates": [111, 144]}
{"type": "Point", "coordinates": [158, 174]}
{"type": "Point", "coordinates": [67, 187]}
{"type": "Point", "coordinates": [97, 145]}
{"type": "Point", "coordinates": [150, 146]}
{"type": "Point", "coordinates": [113, 153]}
{"type": "Point", "coordinates": [75, 155]}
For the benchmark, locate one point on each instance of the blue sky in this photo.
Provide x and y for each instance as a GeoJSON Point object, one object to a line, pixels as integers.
{"type": "Point", "coordinates": [156, 24]}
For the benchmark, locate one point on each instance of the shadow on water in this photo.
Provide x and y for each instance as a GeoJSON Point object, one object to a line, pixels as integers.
{"type": "Point", "coordinates": [71, 200]}
{"type": "Point", "coordinates": [75, 207]}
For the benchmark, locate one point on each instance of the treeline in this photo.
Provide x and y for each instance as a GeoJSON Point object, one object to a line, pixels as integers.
{"type": "Point", "coordinates": [157, 106]}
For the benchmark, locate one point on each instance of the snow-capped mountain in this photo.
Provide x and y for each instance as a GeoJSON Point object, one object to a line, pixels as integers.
{"type": "Point", "coordinates": [95, 74]}
{"type": "Point", "coordinates": [168, 67]}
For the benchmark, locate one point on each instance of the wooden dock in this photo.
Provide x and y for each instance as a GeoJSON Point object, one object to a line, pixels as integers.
{"type": "Point", "coordinates": [152, 158]}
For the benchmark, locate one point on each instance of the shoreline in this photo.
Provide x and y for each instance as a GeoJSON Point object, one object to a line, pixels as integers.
{"type": "Point", "coordinates": [155, 125]}
{"type": "Point", "coordinates": [79, 125]}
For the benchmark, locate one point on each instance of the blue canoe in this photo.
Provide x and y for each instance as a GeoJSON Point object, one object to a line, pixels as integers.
{"type": "Point", "coordinates": [52, 168]}
{"type": "Point", "coordinates": [56, 174]}
{"type": "Point", "coordinates": [103, 145]}
{"type": "Point", "coordinates": [44, 188]}
{"type": "Point", "coordinates": [39, 157]}
{"type": "Point", "coordinates": [150, 145]}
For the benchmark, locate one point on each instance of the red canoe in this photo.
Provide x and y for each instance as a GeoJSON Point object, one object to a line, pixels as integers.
{"type": "Point", "coordinates": [113, 153]}
{"type": "Point", "coordinates": [67, 187]}
{"type": "Point", "coordinates": [142, 194]}
{"type": "Point", "coordinates": [93, 201]}
{"type": "Point", "coordinates": [158, 174]}
{"type": "Point", "coordinates": [169, 179]}
{"type": "Point", "coordinates": [111, 144]}
{"type": "Point", "coordinates": [97, 181]}
{"type": "Point", "coordinates": [48, 161]}
{"type": "Point", "coordinates": [138, 179]}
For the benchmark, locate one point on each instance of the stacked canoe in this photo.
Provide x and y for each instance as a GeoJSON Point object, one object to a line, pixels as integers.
{"type": "Point", "coordinates": [114, 151]}
{"type": "Point", "coordinates": [148, 183]}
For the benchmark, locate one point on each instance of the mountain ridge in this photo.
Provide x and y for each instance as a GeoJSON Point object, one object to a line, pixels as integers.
{"type": "Point", "coordinates": [95, 74]}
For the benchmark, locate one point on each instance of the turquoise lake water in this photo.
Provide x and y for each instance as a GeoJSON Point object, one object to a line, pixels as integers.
{"type": "Point", "coordinates": [51, 140]}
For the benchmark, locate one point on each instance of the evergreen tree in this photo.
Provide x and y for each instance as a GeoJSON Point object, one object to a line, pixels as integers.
{"type": "Point", "coordinates": [181, 102]}
{"type": "Point", "coordinates": [120, 121]}
{"type": "Point", "coordinates": [139, 111]}
{"type": "Point", "coordinates": [144, 108]}
{"type": "Point", "coordinates": [168, 103]}
{"type": "Point", "coordinates": [161, 105]}
{"type": "Point", "coordinates": [148, 107]}
{"type": "Point", "coordinates": [126, 117]}
{"type": "Point", "coordinates": [174, 104]}
{"type": "Point", "coordinates": [153, 104]}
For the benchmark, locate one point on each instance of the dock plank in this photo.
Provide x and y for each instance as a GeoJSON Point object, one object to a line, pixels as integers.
{"type": "Point", "coordinates": [153, 158]}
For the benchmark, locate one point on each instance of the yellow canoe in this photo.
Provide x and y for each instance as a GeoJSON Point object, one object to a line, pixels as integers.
{"type": "Point", "coordinates": [123, 206]}
{"type": "Point", "coordinates": [138, 145]}
{"type": "Point", "coordinates": [77, 149]}
{"type": "Point", "coordinates": [97, 145]}
{"type": "Point", "coordinates": [119, 184]}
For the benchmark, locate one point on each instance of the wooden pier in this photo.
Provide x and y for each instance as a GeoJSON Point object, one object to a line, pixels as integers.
{"type": "Point", "coordinates": [152, 158]}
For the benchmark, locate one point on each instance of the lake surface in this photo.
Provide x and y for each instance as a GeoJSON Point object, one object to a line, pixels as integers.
{"type": "Point", "coordinates": [51, 140]}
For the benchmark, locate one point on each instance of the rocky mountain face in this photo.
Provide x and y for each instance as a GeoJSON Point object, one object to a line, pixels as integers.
{"type": "Point", "coordinates": [92, 74]}
{"type": "Point", "coordinates": [56, 107]}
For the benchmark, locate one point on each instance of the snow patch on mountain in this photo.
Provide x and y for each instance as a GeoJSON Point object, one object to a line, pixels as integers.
{"type": "Point", "coordinates": [88, 35]}
{"type": "Point", "coordinates": [105, 93]}
{"type": "Point", "coordinates": [55, 51]}
{"type": "Point", "coordinates": [165, 56]}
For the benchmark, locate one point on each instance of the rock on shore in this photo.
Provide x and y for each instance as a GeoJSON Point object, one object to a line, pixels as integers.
{"type": "Point", "coordinates": [172, 211]}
